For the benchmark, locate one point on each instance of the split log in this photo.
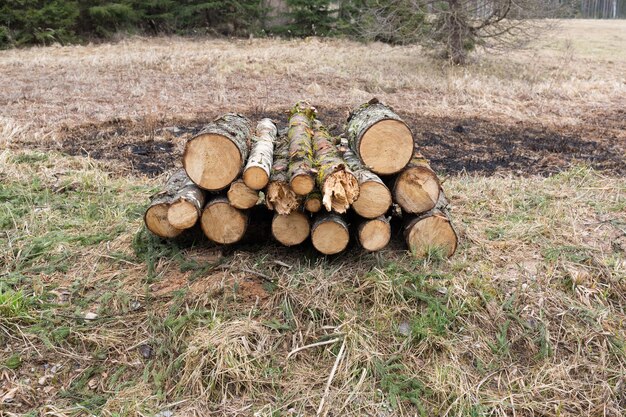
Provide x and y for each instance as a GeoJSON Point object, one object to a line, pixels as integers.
{"type": "Point", "coordinates": [241, 196]}
{"type": "Point", "coordinates": [300, 149]}
{"type": "Point", "coordinates": [338, 184]}
{"type": "Point", "coordinates": [223, 223]}
{"type": "Point", "coordinates": [291, 229]}
{"type": "Point", "coordinates": [313, 201]}
{"type": "Point", "coordinates": [280, 197]}
{"type": "Point", "coordinates": [432, 230]}
{"type": "Point", "coordinates": [380, 138]}
{"type": "Point", "coordinates": [256, 174]}
{"type": "Point", "coordinates": [330, 233]}
{"type": "Point", "coordinates": [374, 197]}
{"type": "Point", "coordinates": [374, 234]}
{"type": "Point", "coordinates": [175, 208]}
{"type": "Point", "coordinates": [214, 157]}
{"type": "Point", "coordinates": [416, 188]}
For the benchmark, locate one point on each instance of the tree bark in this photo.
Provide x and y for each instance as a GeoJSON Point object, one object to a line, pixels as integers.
{"type": "Point", "coordinates": [176, 208]}
{"type": "Point", "coordinates": [379, 137]}
{"type": "Point", "coordinates": [330, 233]}
{"type": "Point", "coordinates": [256, 174]}
{"type": "Point", "coordinates": [215, 157]}
{"type": "Point", "coordinates": [241, 196]}
{"type": "Point", "coordinates": [374, 234]}
{"type": "Point", "coordinates": [223, 223]}
{"type": "Point", "coordinates": [300, 149]}
{"type": "Point", "coordinates": [416, 188]}
{"type": "Point", "coordinates": [338, 184]}
{"type": "Point", "coordinates": [280, 197]}
{"type": "Point", "coordinates": [431, 231]}
{"type": "Point", "coordinates": [291, 229]}
{"type": "Point", "coordinates": [374, 197]}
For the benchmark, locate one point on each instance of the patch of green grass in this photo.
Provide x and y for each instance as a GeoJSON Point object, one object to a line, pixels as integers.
{"type": "Point", "coordinates": [30, 158]}
{"type": "Point", "coordinates": [576, 254]}
{"type": "Point", "coordinates": [13, 362]}
{"type": "Point", "coordinates": [398, 385]}
{"type": "Point", "coordinates": [14, 305]}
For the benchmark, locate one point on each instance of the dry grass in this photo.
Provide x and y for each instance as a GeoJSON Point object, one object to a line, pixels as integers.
{"type": "Point", "coordinates": [526, 320]}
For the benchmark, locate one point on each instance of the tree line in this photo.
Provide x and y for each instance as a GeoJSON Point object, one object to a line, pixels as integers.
{"type": "Point", "coordinates": [458, 26]}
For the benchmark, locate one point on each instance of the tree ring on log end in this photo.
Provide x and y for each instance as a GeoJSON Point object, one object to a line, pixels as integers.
{"type": "Point", "coordinates": [182, 214]}
{"type": "Point", "coordinates": [374, 234]}
{"type": "Point", "coordinates": [330, 237]}
{"type": "Point", "coordinates": [374, 200]}
{"type": "Point", "coordinates": [212, 161]}
{"type": "Point", "coordinates": [302, 184]}
{"type": "Point", "coordinates": [416, 190]}
{"type": "Point", "coordinates": [386, 147]}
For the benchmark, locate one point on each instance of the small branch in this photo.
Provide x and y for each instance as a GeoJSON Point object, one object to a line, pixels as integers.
{"type": "Point", "coordinates": [330, 379]}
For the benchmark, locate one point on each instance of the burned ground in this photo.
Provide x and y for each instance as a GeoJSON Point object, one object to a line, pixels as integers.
{"type": "Point", "coordinates": [454, 145]}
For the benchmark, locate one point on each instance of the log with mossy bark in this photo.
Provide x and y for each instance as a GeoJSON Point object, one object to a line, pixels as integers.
{"type": "Point", "coordinates": [374, 234]}
{"type": "Point", "coordinates": [336, 181]}
{"type": "Point", "coordinates": [176, 208]}
{"type": "Point", "coordinates": [256, 174]}
{"type": "Point", "coordinates": [416, 188]}
{"type": "Point", "coordinates": [241, 196]}
{"type": "Point", "coordinates": [300, 133]}
{"type": "Point", "coordinates": [279, 196]}
{"type": "Point", "coordinates": [431, 233]}
{"type": "Point", "coordinates": [330, 233]}
{"type": "Point", "coordinates": [222, 223]}
{"type": "Point", "coordinates": [215, 156]}
{"type": "Point", "coordinates": [291, 229]}
{"type": "Point", "coordinates": [374, 197]}
{"type": "Point", "coordinates": [380, 138]}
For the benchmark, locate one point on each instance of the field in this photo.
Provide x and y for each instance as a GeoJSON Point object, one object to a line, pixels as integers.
{"type": "Point", "coordinates": [527, 319]}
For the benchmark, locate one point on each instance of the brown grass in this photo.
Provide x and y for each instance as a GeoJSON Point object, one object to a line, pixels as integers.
{"type": "Point", "coordinates": [527, 319]}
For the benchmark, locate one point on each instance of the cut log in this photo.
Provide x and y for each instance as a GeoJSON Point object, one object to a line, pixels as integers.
{"type": "Point", "coordinates": [374, 234]}
{"type": "Point", "coordinates": [280, 197]}
{"type": "Point", "coordinates": [214, 157]}
{"type": "Point", "coordinates": [256, 174]}
{"type": "Point", "coordinates": [416, 188]}
{"type": "Point", "coordinates": [374, 197]}
{"type": "Point", "coordinates": [179, 202]}
{"type": "Point", "coordinates": [241, 196]}
{"type": "Point", "coordinates": [431, 231]}
{"type": "Point", "coordinates": [300, 131]}
{"type": "Point", "coordinates": [330, 233]}
{"type": "Point", "coordinates": [291, 229]}
{"type": "Point", "coordinates": [313, 202]}
{"type": "Point", "coordinates": [223, 223]}
{"type": "Point", "coordinates": [338, 184]}
{"type": "Point", "coordinates": [380, 138]}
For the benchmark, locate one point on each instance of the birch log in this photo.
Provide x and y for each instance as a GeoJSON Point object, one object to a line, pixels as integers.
{"type": "Point", "coordinates": [280, 197]}
{"type": "Point", "coordinates": [256, 174]}
{"type": "Point", "coordinates": [416, 188]}
{"type": "Point", "coordinates": [300, 149]}
{"type": "Point", "coordinates": [374, 234]}
{"type": "Point", "coordinates": [215, 157]}
{"type": "Point", "coordinates": [330, 233]}
{"type": "Point", "coordinates": [291, 229]}
{"type": "Point", "coordinates": [380, 138]}
{"type": "Point", "coordinates": [223, 223]}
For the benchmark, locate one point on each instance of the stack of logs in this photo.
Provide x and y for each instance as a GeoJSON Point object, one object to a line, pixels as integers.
{"type": "Point", "coordinates": [317, 185]}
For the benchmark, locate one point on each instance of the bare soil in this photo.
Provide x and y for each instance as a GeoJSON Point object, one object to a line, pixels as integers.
{"type": "Point", "coordinates": [454, 145]}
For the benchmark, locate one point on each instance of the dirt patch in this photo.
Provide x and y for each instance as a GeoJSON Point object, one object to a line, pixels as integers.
{"type": "Point", "coordinates": [454, 146]}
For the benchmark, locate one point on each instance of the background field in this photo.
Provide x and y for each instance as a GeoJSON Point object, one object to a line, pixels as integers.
{"type": "Point", "coordinates": [526, 319]}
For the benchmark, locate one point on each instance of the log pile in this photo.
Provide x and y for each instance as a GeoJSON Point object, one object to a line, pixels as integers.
{"type": "Point", "coordinates": [329, 189]}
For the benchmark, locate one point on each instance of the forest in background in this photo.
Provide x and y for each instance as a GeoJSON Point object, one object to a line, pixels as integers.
{"type": "Point", "coordinates": [26, 22]}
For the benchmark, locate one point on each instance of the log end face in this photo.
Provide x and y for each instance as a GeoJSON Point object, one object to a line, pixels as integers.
{"type": "Point", "coordinates": [291, 229]}
{"type": "Point", "coordinates": [212, 161]}
{"type": "Point", "coordinates": [157, 223]}
{"type": "Point", "coordinates": [241, 196]}
{"type": "Point", "coordinates": [386, 147]}
{"type": "Point", "coordinates": [417, 190]}
{"type": "Point", "coordinates": [302, 184]}
{"type": "Point", "coordinates": [223, 224]}
{"type": "Point", "coordinates": [433, 233]}
{"type": "Point", "coordinates": [313, 205]}
{"type": "Point", "coordinates": [374, 200]}
{"type": "Point", "coordinates": [375, 234]}
{"type": "Point", "coordinates": [256, 178]}
{"type": "Point", "coordinates": [182, 214]}
{"type": "Point", "coordinates": [330, 238]}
